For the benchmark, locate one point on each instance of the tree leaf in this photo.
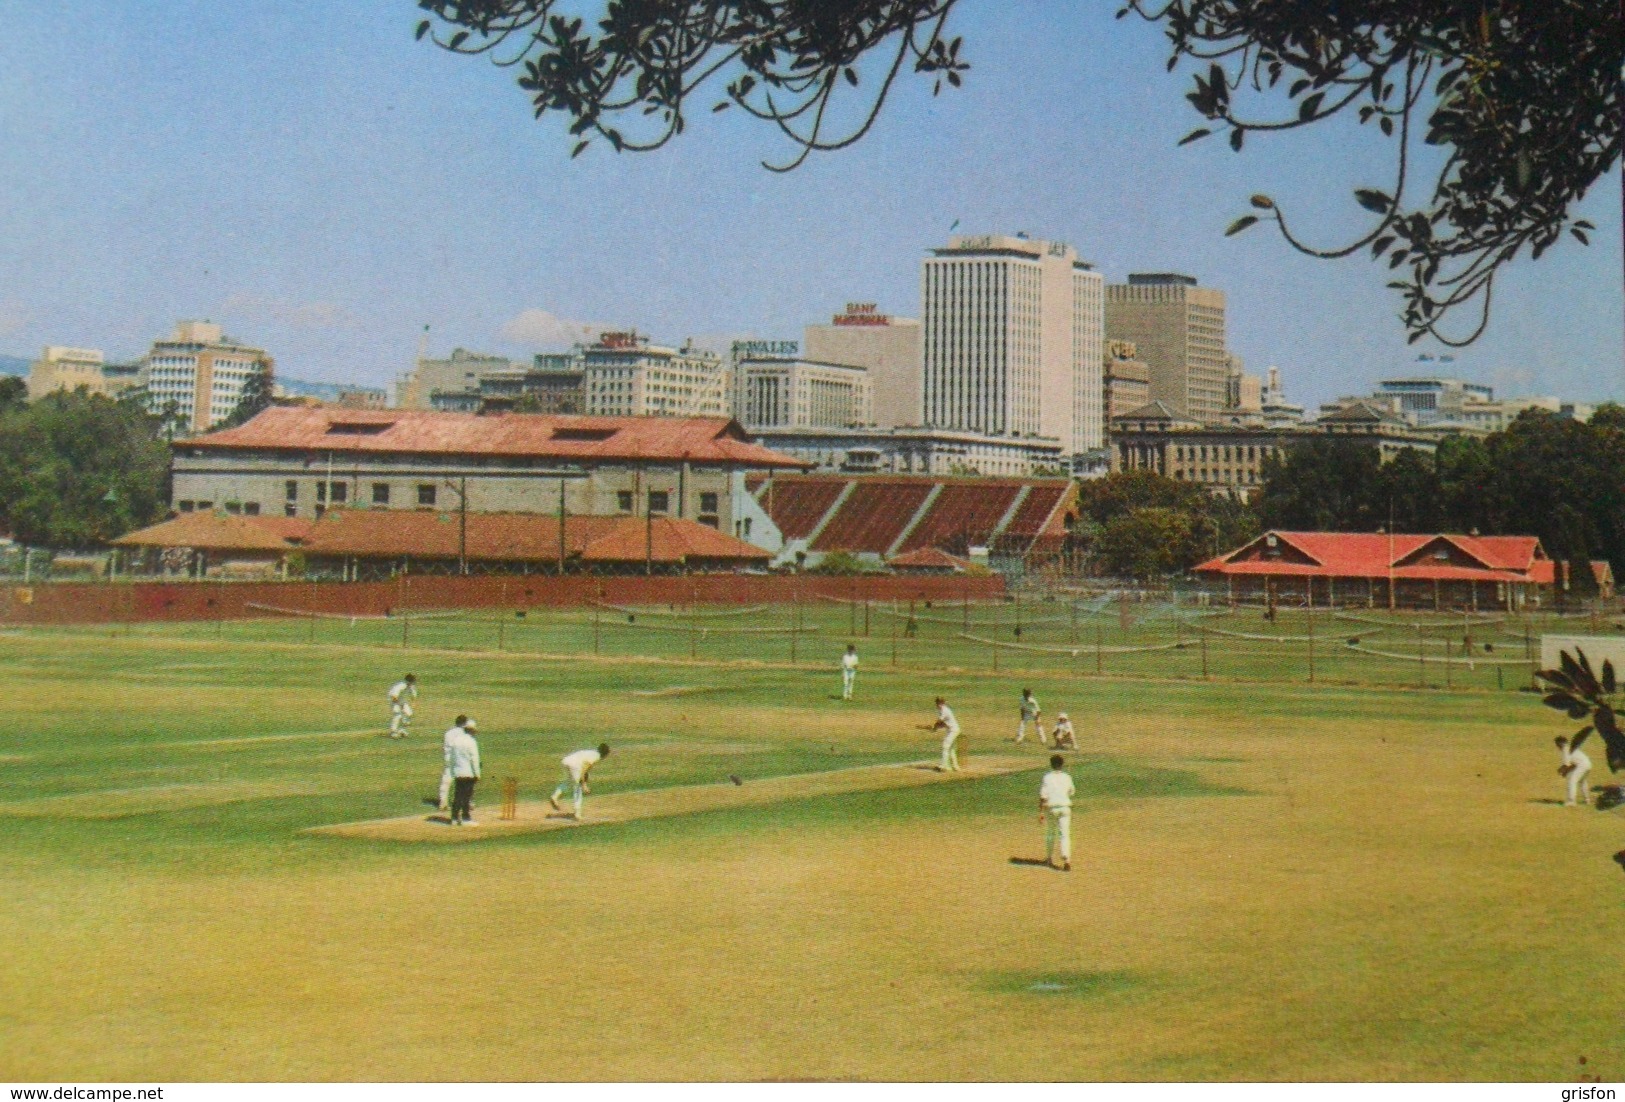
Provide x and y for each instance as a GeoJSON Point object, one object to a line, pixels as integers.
{"type": "Point", "coordinates": [423, 29]}
{"type": "Point", "coordinates": [1236, 137]}
{"type": "Point", "coordinates": [576, 152]}
{"type": "Point", "coordinates": [1240, 224]}
{"type": "Point", "coordinates": [1380, 245]}
{"type": "Point", "coordinates": [1194, 135]}
{"type": "Point", "coordinates": [1373, 200]}
{"type": "Point", "coordinates": [1308, 107]}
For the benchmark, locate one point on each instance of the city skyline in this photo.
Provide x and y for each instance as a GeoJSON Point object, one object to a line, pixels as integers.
{"type": "Point", "coordinates": [324, 188]}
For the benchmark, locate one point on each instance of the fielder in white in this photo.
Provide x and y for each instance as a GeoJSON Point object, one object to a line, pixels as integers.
{"type": "Point", "coordinates": [949, 726]}
{"type": "Point", "coordinates": [401, 695]}
{"type": "Point", "coordinates": [849, 671]}
{"type": "Point", "coordinates": [1030, 713]}
{"type": "Point", "coordinates": [1065, 737]}
{"type": "Point", "coordinates": [446, 741]}
{"type": "Point", "coordinates": [576, 768]}
{"type": "Point", "coordinates": [1055, 811]}
{"type": "Point", "coordinates": [1576, 768]}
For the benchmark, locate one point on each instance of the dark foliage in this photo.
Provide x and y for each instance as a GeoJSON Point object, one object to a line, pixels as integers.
{"type": "Point", "coordinates": [1521, 98]}
{"type": "Point", "coordinates": [1579, 693]}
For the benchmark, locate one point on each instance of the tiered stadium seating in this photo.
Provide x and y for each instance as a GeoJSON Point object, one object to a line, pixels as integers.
{"type": "Point", "coordinates": [797, 506]}
{"type": "Point", "coordinates": [963, 515]}
{"type": "Point", "coordinates": [873, 515]}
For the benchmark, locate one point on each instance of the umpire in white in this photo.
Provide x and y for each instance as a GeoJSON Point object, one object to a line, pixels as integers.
{"type": "Point", "coordinates": [463, 758]}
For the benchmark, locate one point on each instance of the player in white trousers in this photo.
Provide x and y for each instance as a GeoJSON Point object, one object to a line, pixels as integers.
{"type": "Point", "coordinates": [949, 726]}
{"type": "Point", "coordinates": [849, 670]}
{"type": "Point", "coordinates": [1030, 713]}
{"type": "Point", "coordinates": [1055, 794]}
{"type": "Point", "coordinates": [446, 741]}
{"type": "Point", "coordinates": [576, 768]}
{"type": "Point", "coordinates": [1576, 768]}
{"type": "Point", "coordinates": [1065, 737]}
{"type": "Point", "coordinates": [401, 695]}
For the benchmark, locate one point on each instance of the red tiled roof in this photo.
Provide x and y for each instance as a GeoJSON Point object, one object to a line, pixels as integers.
{"type": "Point", "coordinates": [927, 558]}
{"type": "Point", "coordinates": [514, 537]}
{"type": "Point", "coordinates": [328, 429]}
{"type": "Point", "coordinates": [219, 532]}
{"type": "Point", "coordinates": [1377, 555]}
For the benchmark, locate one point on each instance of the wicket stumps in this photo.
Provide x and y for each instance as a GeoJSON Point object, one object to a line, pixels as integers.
{"type": "Point", "coordinates": [510, 798]}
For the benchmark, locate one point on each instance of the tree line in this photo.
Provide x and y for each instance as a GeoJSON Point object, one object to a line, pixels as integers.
{"type": "Point", "coordinates": [1543, 475]}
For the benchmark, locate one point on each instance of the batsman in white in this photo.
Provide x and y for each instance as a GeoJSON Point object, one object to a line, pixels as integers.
{"type": "Point", "coordinates": [949, 726]}
{"type": "Point", "coordinates": [1030, 713]}
{"type": "Point", "coordinates": [401, 695]}
{"type": "Point", "coordinates": [445, 752]}
{"type": "Point", "coordinates": [1055, 794]}
{"type": "Point", "coordinates": [1576, 768]}
{"type": "Point", "coordinates": [849, 670]}
{"type": "Point", "coordinates": [576, 768]}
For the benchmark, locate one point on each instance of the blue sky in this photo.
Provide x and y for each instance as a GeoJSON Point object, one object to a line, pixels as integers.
{"type": "Point", "coordinates": [307, 174]}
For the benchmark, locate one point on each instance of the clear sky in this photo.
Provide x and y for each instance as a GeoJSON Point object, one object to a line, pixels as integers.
{"type": "Point", "coordinates": [305, 173]}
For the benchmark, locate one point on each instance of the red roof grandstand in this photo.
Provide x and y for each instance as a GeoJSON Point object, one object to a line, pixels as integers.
{"type": "Point", "coordinates": [873, 516]}
{"type": "Point", "coordinates": [797, 507]}
{"type": "Point", "coordinates": [964, 515]}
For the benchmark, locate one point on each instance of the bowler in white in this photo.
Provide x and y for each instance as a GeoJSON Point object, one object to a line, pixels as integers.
{"type": "Point", "coordinates": [577, 766]}
{"type": "Point", "coordinates": [1055, 811]}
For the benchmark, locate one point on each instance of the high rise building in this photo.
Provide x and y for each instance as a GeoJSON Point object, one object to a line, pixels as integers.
{"type": "Point", "coordinates": [451, 384]}
{"type": "Point", "coordinates": [1013, 340]}
{"type": "Point", "coordinates": [888, 347]}
{"type": "Point", "coordinates": [60, 368]}
{"type": "Point", "coordinates": [198, 375]}
{"type": "Point", "coordinates": [784, 393]}
{"type": "Point", "coordinates": [1127, 378]}
{"type": "Point", "coordinates": [626, 376]}
{"type": "Point", "coordinates": [1178, 327]}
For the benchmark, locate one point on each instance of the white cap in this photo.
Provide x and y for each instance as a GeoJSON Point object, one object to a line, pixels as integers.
{"type": "Point", "coordinates": [471, 725]}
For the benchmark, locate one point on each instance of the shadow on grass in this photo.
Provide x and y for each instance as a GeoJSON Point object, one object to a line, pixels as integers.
{"type": "Point", "coordinates": [1073, 985]}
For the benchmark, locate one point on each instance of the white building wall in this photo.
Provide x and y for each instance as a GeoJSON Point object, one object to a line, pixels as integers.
{"type": "Point", "coordinates": [1088, 357]}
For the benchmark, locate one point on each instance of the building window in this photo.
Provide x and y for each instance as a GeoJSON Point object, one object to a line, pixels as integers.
{"type": "Point", "coordinates": [426, 493]}
{"type": "Point", "coordinates": [291, 488]}
{"type": "Point", "coordinates": [658, 501]}
{"type": "Point", "coordinates": [204, 506]}
{"type": "Point", "coordinates": [623, 501]}
{"type": "Point", "coordinates": [290, 510]}
{"type": "Point", "coordinates": [251, 508]}
{"type": "Point", "coordinates": [235, 508]}
{"type": "Point", "coordinates": [184, 506]}
{"type": "Point", "coordinates": [380, 493]}
{"type": "Point", "coordinates": [321, 491]}
{"type": "Point", "coordinates": [708, 503]}
{"type": "Point", "coordinates": [340, 493]}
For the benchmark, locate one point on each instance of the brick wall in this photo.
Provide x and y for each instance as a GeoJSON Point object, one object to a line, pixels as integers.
{"type": "Point", "coordinates": [68, 603]}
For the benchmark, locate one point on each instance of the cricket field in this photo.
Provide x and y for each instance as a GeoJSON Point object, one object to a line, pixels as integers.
{"type": "Point", "coordinates": [1270, 881]}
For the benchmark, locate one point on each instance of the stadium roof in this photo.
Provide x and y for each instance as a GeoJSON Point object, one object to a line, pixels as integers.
{"type": "Point", "coordinates": [489, 537]}
{"type": "Point", "coordinates": [1379, 555]}
{"type": "Point", "coordinates": [551, 436]}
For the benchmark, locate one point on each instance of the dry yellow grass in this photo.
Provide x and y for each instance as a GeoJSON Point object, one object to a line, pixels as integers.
{"type": "Point", "coordinates": [1374, 900]}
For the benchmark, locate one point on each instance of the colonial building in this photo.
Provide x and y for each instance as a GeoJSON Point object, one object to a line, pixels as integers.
{"type": "Point", "coordinates": [1230, 458]}
{"type": "Point", "coordinates": [626, 376]}
{"type": "Point", "coordinates": [1382, 570]}
{"type": "Point", "coordinates": [916, 451]}
{"type": "Point", "coordinates": [790, 393]}
{"type": "Point", "coordinates": [303, 462]}
{"type": "Point", "coordinates": [1127, 378]}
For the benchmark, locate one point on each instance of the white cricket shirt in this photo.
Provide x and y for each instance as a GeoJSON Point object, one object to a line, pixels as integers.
{"type": "Point", "coordinates": [1057, 789]}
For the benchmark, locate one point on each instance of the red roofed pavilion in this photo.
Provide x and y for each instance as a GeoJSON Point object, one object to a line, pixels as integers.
{"type": "Point", "coordinates": [1378, 569]}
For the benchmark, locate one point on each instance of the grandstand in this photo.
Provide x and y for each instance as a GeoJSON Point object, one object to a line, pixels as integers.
{"type": "Point", "coordinates": [881, 518]}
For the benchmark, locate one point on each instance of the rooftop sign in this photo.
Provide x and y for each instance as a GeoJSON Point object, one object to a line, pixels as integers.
{"type": "Point", "coordinates": [750, 350]}
{"type": "Point", "coordinates": [862, 313]}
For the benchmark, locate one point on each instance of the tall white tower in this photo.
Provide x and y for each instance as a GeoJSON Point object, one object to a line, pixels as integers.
{"type": "Point", "coordinates": [1013, 332]}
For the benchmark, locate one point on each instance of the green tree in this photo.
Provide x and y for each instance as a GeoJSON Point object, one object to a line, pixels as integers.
{"type": "Point", "coordinates": [13, 392]}
{"type": "Point", "coordinates": [256, 397]}
{"type": "Point", "coordinates": [1148, 544]}
{"type": "Point", "coordinates": [1323, 484]}
{"type": "Point", "coordinates": [77, 469]}
{"type": "Point", "coordinates": [1520, 98]}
